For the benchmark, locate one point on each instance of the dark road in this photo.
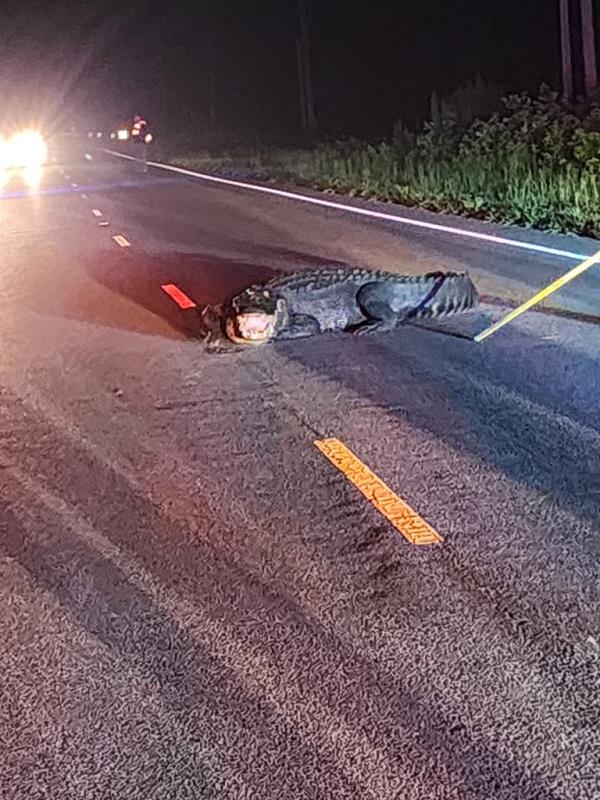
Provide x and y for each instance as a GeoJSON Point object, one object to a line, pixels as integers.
{"type": "Point", "coordinates": [197, 603]}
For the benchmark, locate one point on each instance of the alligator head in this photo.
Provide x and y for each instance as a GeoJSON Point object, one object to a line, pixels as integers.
{"type": "Point", "coordinates": [254, 317]}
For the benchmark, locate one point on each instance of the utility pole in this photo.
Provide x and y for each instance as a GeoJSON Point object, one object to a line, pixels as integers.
{"type": "Point", "coordinates": [212, 75]}
{"type": "Point", "coordinates": [567, 56]}
{"type": "Point", "coordinates": [301, 86]}
{"type": "Point", "coordinates": [162, 47]}
{"type": "Point", "coordinates": [588, 36]}
{"type": "Point", "coordinates": [307, 101]}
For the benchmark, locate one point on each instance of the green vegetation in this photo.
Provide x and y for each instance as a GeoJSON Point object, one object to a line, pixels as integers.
{"type": "Point", "coordinates": [533, 163]}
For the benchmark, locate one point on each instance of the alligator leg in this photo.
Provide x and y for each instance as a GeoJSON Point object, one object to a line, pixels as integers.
{"type": "Point", "coordinates": [379, 316]}
{"type": "Point", "coordinates": [377, 325]}
{"type": "Point", "coordinates": [383, 311]}
{"type": "Point", "coordinates": [299, 326]}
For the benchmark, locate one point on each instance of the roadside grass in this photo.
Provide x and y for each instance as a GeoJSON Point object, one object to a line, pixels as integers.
{"type": "Point", "coordinates": [565, 199]}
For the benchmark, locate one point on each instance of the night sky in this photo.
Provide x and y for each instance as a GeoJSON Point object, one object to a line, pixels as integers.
{"type": "Point", "coordinates": [373, 60]}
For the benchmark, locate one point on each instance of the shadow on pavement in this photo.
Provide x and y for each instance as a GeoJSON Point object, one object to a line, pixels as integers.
{"type": "Point", "coordinates": [138, 276]}
{"type": "Point", "coordinates": [520, 403]}
{"type": "Point", "coordinates": [528, 409]}
{"type": "Point", "coordinates": [206, 697]}
{"type": "Point", "coordinates": [125, 292]}
{"type": "Point", "coordinates": [383, 712]}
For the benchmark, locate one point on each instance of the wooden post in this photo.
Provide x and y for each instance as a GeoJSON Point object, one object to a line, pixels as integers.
{"type": "Point", "coordinates": [304, 57]}
{"type": "Point", "coordinates": [301, 88]}
{"type": "Point", "coordinates": [588, 37]}
{"type": "Point", "coordinates": [567, 57]}
{"type": "Point", "coordinates": [212, 76]}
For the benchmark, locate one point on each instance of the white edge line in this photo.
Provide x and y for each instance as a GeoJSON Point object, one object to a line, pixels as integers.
{"type": "Point", "coordinates": [365, 212]}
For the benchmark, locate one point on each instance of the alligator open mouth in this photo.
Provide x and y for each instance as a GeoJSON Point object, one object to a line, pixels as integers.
{"type": "Point", "coordinates": [251, 328]}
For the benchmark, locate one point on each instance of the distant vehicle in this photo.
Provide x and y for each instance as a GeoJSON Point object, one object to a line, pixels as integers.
{"type": "Point", "coordinates": [23, 149]}
{"type": "Point", "coordinates": [138, 132]}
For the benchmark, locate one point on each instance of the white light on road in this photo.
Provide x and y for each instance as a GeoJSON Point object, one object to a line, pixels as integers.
{"type": "Point", "coordinates": [32, 177]}
{"type": "Point", "coordinates": [4, 178]}
{"type": "Point", "coordinates": [123, 134]}
{"type": "Point", "coordinates": [4, 154]}
{"type": "Point", "coordinates": [27, 149]}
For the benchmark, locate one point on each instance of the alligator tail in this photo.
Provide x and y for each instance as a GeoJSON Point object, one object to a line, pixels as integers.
{"type": "Point", "coordinates": [445, 293]}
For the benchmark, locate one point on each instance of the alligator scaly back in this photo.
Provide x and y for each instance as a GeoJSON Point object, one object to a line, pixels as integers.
{"type": "Point", "coordinates": [321, 277]}
{"type": "Point", "coordinates": [431, 294]}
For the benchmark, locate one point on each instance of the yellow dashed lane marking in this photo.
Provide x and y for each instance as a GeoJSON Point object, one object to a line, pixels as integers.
{"type": "Point", "coordinates": [121, 240]}
{"type": "Point", "coordinates": [404, 518]}
{"type": "Point", "coordinates": [96, 212]}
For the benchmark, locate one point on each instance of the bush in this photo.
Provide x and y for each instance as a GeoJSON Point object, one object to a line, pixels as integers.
{"type": "Point", "coordinates": [535, 129]}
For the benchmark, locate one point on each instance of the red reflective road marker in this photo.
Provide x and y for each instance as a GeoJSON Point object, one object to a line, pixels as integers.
{"type": "Point", "coordinates": [175, 293]}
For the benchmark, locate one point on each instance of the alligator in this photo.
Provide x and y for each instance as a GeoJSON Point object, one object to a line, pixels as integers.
{"type": "Point", "coordinates": [310, 302]}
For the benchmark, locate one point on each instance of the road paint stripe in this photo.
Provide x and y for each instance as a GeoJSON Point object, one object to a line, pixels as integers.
{"type": "Point", "coordinates": [404, 518]}
{"type": "Point", "coordinates": [74, 186]}
{"type": "Point", "coordinates": [84, 197]}
{"type": "Point", "coordinates": [121, 240]}
{"type": "Point", "coordinates": [365, 212]}
{"type": "Point", "coordinates": [96, 212]}
{"type": "Point", "coordinates": [541, 295]}
{"type": "Point", "coordinates": [88, 157]}
{"type": "Point", "coordinates": [175, 293]}
{"type": "Point", "coordinates": [103, 222]}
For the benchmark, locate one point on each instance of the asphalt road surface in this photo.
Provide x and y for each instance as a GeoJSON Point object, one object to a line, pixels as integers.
{"type": "Point", "coordinates": [196, 602]}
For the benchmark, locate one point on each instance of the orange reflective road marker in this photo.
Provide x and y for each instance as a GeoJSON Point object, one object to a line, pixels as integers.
{"type": "Point", "coordinates": [400, 514]}
{"type": "Point", "coordinates": [175, 293]}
